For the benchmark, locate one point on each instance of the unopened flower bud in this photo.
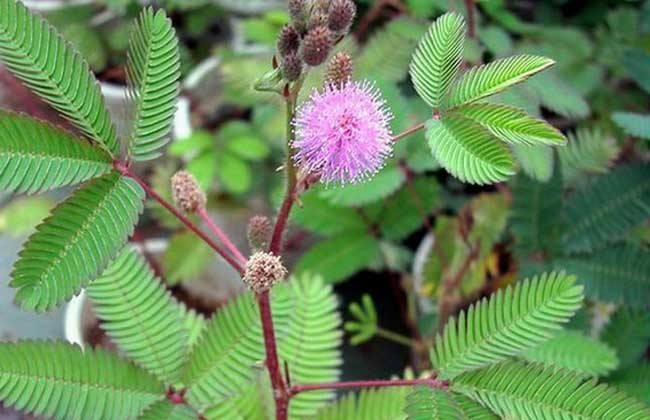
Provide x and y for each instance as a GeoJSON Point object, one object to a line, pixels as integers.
{"type": "Point", "coordinates": [297, 10]}
{"type": "Point", "coordinates": [291, 67]}
{"type": "Point", "coordinates": [317, 45]}
{"type": "Point", "coordinates": [186, 192]}
{"type": "Point", "coordinates": [259, 232]}
{"type": "Point", "coordinates": [288, 41]}
{"type": "Point", "coordinates": [341, 15]}
{"type": "Point", "coordinates": [263, 270]}
{"type": "Point", "coordinates": [339, 69]}
{"type": "Point", "coordinates": [317, 19]}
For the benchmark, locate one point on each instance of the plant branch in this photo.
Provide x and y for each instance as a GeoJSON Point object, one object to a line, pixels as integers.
{"type": "Point", "coordinates": [432, 382]}
{"type": "Point", "coordinates": [471, 19]}
{"type": "Point", "coordinates": [394, 337]}
{"type": "Point", "coordinates": [408, 132]}
{"type": "Point", "coordinates": [225, 240]}
{"type": "Point", "coordinates": [124, 170]}
{"type": "Point", "coordinates": [451, 284]}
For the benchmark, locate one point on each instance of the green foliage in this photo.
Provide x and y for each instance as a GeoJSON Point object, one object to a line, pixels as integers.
{"type": "Point", "coordinates": [634, 381]}
{"type": "Point", "coordinates": [480, 82]}
{"type": "Point", "coordinates": [536, 216]}
{"type": "Point", "coordinates": [140, 316]}
{"type": "Point", "coordinates": [607, 208]}
{"type": "Point", "coordinates": [55, 263]}
{"type": "Point", "coordinates": [507, 324]}
{"type": "Point", "coordinates": [367, 404]}
{"type": "Point", "coordinates": [573, 350]}
{"type": "Point", "coordinates": [383, 184]}
{"type": "Point", "coordinates": [523, 391]}
{"type": "Point", "coordinates": [588, 152]}
{"type": "Point", "coordinates": [337, 258]}
{"type": "Point", "coordinates": [559, 96]}
{"type": "Point", "coordinates": [425, 403]}
{"type": "Point", "coordinates": [319, 216]}
{"type": "Point", "coordinates": [21, 215]}
{"type": "Point", "coordinates": [185, 258]}
{"type": "Point", "coordinates": [468, 151]}
{"type": "Point", "coordinates": [57, 159]}
{"type": "Point", "coordinates": [437, 59]}
{"type": "Point", "coordinates": [637, 64]}
{"type": "Point", "coordinates": [33, 50]}
{"type": "Point", "coordinates": [536, 161]}
{"type": "Point", "coordinates": [628, 332]}
{"type": "Point", "coordinates": [618, 274]}
{"type": "Point", "coordinates": [636, 125]}
{"type": "Point", "coordinates": [222, 366]}
{"type": "Point", "coordinates": [88, 42]}
{"type": "Point", "coordinates": [512, 125]}
{"type": "Point", "coordinates": [58, 380]}
{"type": "Point", "coordinates": [165, 410]}
{"type": "Point", "coordinates": [398, 39]}
{"type": "Point", "coordinates": [364, 326]}
{"type": "Point", "coordinates": [153, 69]}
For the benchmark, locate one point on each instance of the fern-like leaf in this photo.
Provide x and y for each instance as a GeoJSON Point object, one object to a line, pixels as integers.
{"type": "Point", "coordinates": [468, 151]}
{"type": "Point", "coordinates": [588, 152]}
{"type": "Point", "coordinates": [536, 161]}
{"type": "Point", "coordinates": [628, 332]}
{"type": "Point", "coordinates": [140, 316]}
{"type": "Point", "coordinates": [522, 391]}
{"type": "Point", "coordinates": [606, 209]}
{"type": "Point", "coordinates": [33, 51]}
{"type": "Point", "coordinates": [634, 381]}
{"type": "Point", "coordinates": [153, 70]}
{"type": "Point", "coordinates": [511, 124]}
{"type": "Point", "coordinates": [508, 323]}
{"type": "Point", "coordinates": [310, 342]}
{"type": "Point", "coordinates": [437, 58]}
{"type": "Point", "coordinates": [425, 403]}
{"type": "Point", "coordinates": [76, 243]}
{"type": "Point", "coordinates": [368, 404]}
{"type": "Point", "coordinates": [618, 274]}
{"type": "Point", "coordinates": [536, 214]}
{"type": "Point", "coordinates": [36, 156]}
{"type": "Point", "coordinates": [482, 81]}
{"type": "Point", "coordinates": [165, 410]}
{"type": "Point", "coordinates": [636, 125]}
{"type": "Point", "coordinates": [308, 337]}
{"type": "Point", "coordinates": [573, 350]}
{"type": "Point", "coordinates": [60, 381]}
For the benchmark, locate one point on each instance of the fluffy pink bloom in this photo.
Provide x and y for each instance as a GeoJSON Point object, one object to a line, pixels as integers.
{"type": "Point", "coordinates": [343, 133]}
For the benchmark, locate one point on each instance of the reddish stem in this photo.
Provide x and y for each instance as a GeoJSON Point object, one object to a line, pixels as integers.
{"type": "Point", "coordinates": [283, 216]}
{"type": "Point", "coordinates": [471, 20]}
{"type": "Point", "coordinates": [225, 240]}
{"type": "Point", "coordinates": [281, 394]}
{"type": "Point", "coordinates": [432, 382]}
{"type": "Point", "coordinates": [408, 132]}
{"type": "Point", "coordinates": [124, 170]}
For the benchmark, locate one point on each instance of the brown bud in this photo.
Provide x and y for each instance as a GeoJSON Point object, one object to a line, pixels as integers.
{"type": "Point", "coordinates": [291, 67]}
{"type": "Point", "coordinates": [317, 19]}
{"type": "Point", "coordinates": [263, 270]}
{"type": "Point", "coordinates": [259, 232]}
{"type": "Point", "coordinates": [298, 10]}
{"type": "Point", "coordinates": [341, 15]}
{"type": "Point", "coordinates": [288, 41]}
{"type": "Point", "coordinates": [187, 192]}
{"type": "Point", "coordinates": [339, 69]}
{"type": "Point", "coordinates": [316, 46]}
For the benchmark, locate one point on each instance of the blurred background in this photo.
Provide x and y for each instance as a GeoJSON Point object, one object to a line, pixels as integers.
{"type": "Point", "coordinates": [396, 236]}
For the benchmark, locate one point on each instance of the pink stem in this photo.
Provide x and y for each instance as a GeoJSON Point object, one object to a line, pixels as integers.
{"type": "Point", "coordinates": [124, 170]}
{"type": "Point", "coordinates": [408, 132]}
{"type": "Point", "coordinates": [281, 394]}
{"type": "Point", "coordinates": [225, 240]}
{"type": "Point", "coordinates": [432, 382]}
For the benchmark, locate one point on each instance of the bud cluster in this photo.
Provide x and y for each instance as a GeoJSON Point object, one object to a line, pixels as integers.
{"type": "Point", "coordinates": [259, 232]}
{"type": "Point", "coordinates": [186, 192]}
{"type": "Point", "coordinates": [263, 270]}
{"type": "Point", "coordinates": [314, 28]}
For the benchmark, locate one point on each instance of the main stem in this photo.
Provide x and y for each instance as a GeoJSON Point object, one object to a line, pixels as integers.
{"type": "Point", "coordinates": [280, 389]}
{"type": "Point", "coordinates": [124, 170]}
{"type": "Point", "coordinates": [225, 240]}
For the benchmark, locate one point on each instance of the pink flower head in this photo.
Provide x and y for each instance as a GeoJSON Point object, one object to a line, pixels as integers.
{"type": "Point", "coordinates": [343, 133]}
